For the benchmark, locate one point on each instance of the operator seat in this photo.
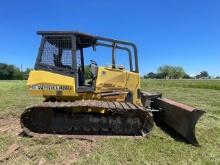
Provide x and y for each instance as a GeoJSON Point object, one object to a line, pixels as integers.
{"type": "Point", "coordinates": [93, 68]}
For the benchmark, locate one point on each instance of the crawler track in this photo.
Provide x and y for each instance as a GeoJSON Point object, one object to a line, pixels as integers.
{"type": "Point", "coordinates": [83, 117]}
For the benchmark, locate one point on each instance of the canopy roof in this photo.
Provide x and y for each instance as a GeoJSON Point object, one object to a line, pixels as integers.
{"type": "Point", "coordinates": [87, 40]}
{"type": "Point", "coordinates": [83, 39]}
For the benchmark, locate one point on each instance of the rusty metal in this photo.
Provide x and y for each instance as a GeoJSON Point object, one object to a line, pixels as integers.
{"type": "Point", "coordinates": [177, 116]}
{"type": "Point", "coordinates": [180, 117]}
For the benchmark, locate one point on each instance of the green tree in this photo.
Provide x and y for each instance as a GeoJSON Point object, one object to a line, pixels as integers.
{"type": "Point", "coordinates": [27, 71]}
{"type": "Point", "coordinates": [10, 72]}
{"type": "Point", "coordinates": [179, 72]}
{"type": "Point", "coordinates": [165, 71]}
{"type": "Point", "coordinates": [88, 74]}
{"type": "Point", "coordinates": [186, 76]}
{"type": "Point", "coordinates": [203, 74]}
{"type": "Point", "coordinates": [151, 75]}
{"type": "Point", "coordinates": [173, 72]}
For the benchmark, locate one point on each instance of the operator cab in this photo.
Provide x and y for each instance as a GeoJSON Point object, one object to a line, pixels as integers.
{"type": "Point", "coordinates": [64, 53]}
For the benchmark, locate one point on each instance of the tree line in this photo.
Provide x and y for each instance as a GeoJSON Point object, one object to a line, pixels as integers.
{"type": "Point", "coordinates": [11, 72]}
{"type": "Point", "coordinates": [174, 72]}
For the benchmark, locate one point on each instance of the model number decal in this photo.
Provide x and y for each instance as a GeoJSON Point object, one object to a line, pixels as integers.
{"type": "Point", "coordinates": [50, 87]}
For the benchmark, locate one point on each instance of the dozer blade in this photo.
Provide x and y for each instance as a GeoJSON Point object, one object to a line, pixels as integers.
{"type": "Point", "coordinates": [180, 117]}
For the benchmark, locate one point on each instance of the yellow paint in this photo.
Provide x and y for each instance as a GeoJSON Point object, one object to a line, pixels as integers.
{"type": "Point", "coordinates": [133, 84]}
{"type": "Point", "coordinates": [39, 77]}
{"type": "Point", "coordinates": [119, 80]}
{"type": "Point", "coordinates": [110, 78]}
{"type": "Point", "coordinates": [107, 80]}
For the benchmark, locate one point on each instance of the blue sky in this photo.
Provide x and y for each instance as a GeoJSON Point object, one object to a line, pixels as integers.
{"type": "Point", "coordinates": [177, 32]}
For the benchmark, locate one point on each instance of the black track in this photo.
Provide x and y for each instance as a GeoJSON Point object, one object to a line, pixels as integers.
{"type": "Point", "coordinates": [81, 117]}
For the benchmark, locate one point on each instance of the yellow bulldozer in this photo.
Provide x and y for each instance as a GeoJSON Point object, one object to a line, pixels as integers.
{"type": "Point", "coordinates": [107, 102]}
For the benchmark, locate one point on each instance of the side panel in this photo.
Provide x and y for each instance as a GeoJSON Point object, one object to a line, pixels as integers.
{"type": "Point", "coordinates": [133, 84]}
{"type": "Point", "coordinates": [109, 80]}
{"type": "Point", "coordinates": [45, 83]}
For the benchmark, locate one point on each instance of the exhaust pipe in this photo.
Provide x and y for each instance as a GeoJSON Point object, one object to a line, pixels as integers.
{"type": "Point", "coordinates": [179, 117]}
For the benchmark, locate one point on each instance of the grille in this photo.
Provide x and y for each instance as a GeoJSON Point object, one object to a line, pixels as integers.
{"type": "Point", "coordinates": [57, 52]}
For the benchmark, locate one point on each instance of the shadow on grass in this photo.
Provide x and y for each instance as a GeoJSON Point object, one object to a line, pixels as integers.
{"type": "Point", "coordinates": [171, 132]}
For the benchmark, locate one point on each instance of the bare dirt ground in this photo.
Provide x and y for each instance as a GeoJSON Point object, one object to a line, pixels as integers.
{"type": "Point", "coordinates": [10, 126]}
{"type": "Point", "coordinates": [86, 144]}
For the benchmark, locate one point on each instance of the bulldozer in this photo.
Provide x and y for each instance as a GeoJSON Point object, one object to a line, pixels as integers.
{"type": "Point", "coordinates": [95, 99]}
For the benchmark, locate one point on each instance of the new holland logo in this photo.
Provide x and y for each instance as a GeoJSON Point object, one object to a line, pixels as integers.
{"type": "Point", "coordinates": [50, 87]}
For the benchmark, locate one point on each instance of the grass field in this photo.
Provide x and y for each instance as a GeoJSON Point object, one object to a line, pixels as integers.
{"type": "Point", "coordinates": [158, 148]}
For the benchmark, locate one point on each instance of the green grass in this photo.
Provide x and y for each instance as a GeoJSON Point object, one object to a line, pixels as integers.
{"type": "Point", "coordinates": [185, 83]}
{"type": "Point", "coordinates": [158, 148]}
{"type": "Point", "coordinates": [14, 97]}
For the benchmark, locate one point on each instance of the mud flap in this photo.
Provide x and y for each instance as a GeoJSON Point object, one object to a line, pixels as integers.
{"type": "Point", "coordinates": [180, 117]}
